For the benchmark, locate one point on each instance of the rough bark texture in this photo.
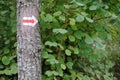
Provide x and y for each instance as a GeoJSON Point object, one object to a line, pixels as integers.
{"type": "Point", "coordinates": [28, 50]}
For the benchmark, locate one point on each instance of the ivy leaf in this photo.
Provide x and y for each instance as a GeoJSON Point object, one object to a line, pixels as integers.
{"type": "Point", "coordinates": [93, 7]}
{"type": "Point", "coordinates": [62, 31]}
{"type": "Point", "coordinates": [68, 52]}
{"type": "Point", "coordinates": [5, 60]}
{"type": "Point", "coordinates": [88, 39]}
{"type": "Point", "coordinates": [80, 18]}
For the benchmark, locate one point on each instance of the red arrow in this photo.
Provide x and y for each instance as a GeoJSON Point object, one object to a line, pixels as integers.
{"type": "Point", "coordinates": [29, 21]}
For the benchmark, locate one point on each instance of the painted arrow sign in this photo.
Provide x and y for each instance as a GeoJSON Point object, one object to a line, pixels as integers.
{"type": "Point", "coordinates": [29, 21]}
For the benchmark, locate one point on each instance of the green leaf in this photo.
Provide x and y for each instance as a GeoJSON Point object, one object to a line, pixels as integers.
{"type": "Point", "coordinates": [6, 51]}
{"type": "Point", "coordinates": [55, 73]}
{"type": "Point", "coordinates": [49, 43]}
{"type": "Point", "coordinates": [78, 34]}
{"type": "Point", "coordinates": [72, 22]}
{"type": "Point", "coordinates": [7, 41]}
{"type": "Point", "coordinates": [93, 7]}
{"type": "Point", "coordinates": [74, 27]}
{"type": "Point", "coordinates": [68, 52]}
{"type": "Point", "coordinates": [71, 38]}
{"type": "Point", "coordinates": [99, 43]}
{"type": "Point", "coordinates": [80, 18]}
{"type": "Point", "coordinates": [5, 60]}
{"type": "Point", "coordinates": [88, 39]}
{"type": "Point", "coordinates": [76, 50]}
{"type": "Point", "coordinates": [58, 13]}
{"type": "Point", "coordinates": [63, 66]}
{"type": "Point", "coordinates": [14, 69]}
{"type": "Point", "coordinates": [69, 65]}
{"type": "Point", "coordinates": [79, 4]}
{"type": "Point", "coordinates": [62, 31]}
{"type": "Point", "coordinates": [109, 37]}
{"type": "Point", "coordinates": [67, 6]}
{"type": "Point", "coordinates": [89, 20]}
{"type": "Point", "coordinates": [8, 72]}
{"type": "Point", "coordinates": [45, 54]}
{"type": "Point", "coordinates": [49, 18]}
{"type": "Point", "coordinates": [49, 73]}
{"type": "Point", "coordinates": [62, 18]}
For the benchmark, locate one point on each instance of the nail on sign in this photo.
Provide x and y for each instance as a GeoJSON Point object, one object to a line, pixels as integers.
{"type": "Point", "coordinates": [29, 21]}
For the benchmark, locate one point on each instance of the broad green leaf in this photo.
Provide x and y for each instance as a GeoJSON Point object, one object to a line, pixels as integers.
{"type": "Point", "coordinates": [52, 61]}
{"type": "Point", "coordinates": [3, 12]}
{"type": "Point", "coordinates": [72, 22]}
{"type": "Point", "coordinates": [74, 27]}
{"type": "Point", "coordinates": [103, 35]}
{"type": "Point", "coordinates": [61, 47]}
{"type": "Point", "coordinates": [99, 43]}
{"type": "Point", "coordinates": [55, 73]}
{"type": "Point", "coordinates": [76, 50]}
{"type": "Point", "coordinates": [58, 13]}
{"type": "Point", "coordinates": [5, 60]}
{"type": "Point", "coordinates": [88, 39]}
{"type": "Point", "coordinates": [62, 31]}
{"type": "Point", "coordinates": [49, 73]}
{"type": "Point", "coordinates": [84, 14]}
{"type": "Point", "coordinates": [93, 7]}
{"type": "Point", "coordinates": [6, 51]}
{"type": "Point", "coordinates": [79, 4]}
{"type": "Point", "coordinates": [78, 34]}
{"type": "Point", "coordinates": [49, 43]}
{"type": "Point", "coordinates": [71, 38]}
{"type": "Point", "coordinates": [62, 18]}
{"type": "Point", "coordinates": [7, 41]}
{"type": "Point", "coordinates": [89, 20]}
{"type": "Point", "coordinates": [45, 54]}
{"type": "Point", "coordinates": [99, 27]}
{"type": "Point", "coordinates": [69, 65]}
{"type": "Point", "coordinates": [109, 37]}
{"type": "Point", "coordinates": [68, 52]}
{"type": "Point", "coordinates": [80, 18]}
{"type": "Point", "coordinates": [8, 72]}
{"type": "Point", "coordinates": [14, 69]}
{"type": "Point", "coordinates": [49, 18]}
{"type": "Point", "coordinates": [63, 66]}
{"type": "Point", "coordinates": [67, 6]}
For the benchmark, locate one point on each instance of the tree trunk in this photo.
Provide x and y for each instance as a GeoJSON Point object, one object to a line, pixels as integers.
{"type": "Point", "coordinates": [28, 37]}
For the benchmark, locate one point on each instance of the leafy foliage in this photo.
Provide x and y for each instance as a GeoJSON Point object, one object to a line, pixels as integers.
{"type": "Point", "coordinates": [80, 39]}
{"type": "Point", "coordinates": [8, 66]}
{"type": "Point", "coordinates": [77, 36]}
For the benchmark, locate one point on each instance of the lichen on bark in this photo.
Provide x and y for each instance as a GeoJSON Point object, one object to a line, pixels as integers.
{"type": "Point", "coordinates": [29, 48]}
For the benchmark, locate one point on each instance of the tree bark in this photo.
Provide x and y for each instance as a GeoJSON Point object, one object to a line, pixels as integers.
{"type": "Point", "coordinates": [28, 38]}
